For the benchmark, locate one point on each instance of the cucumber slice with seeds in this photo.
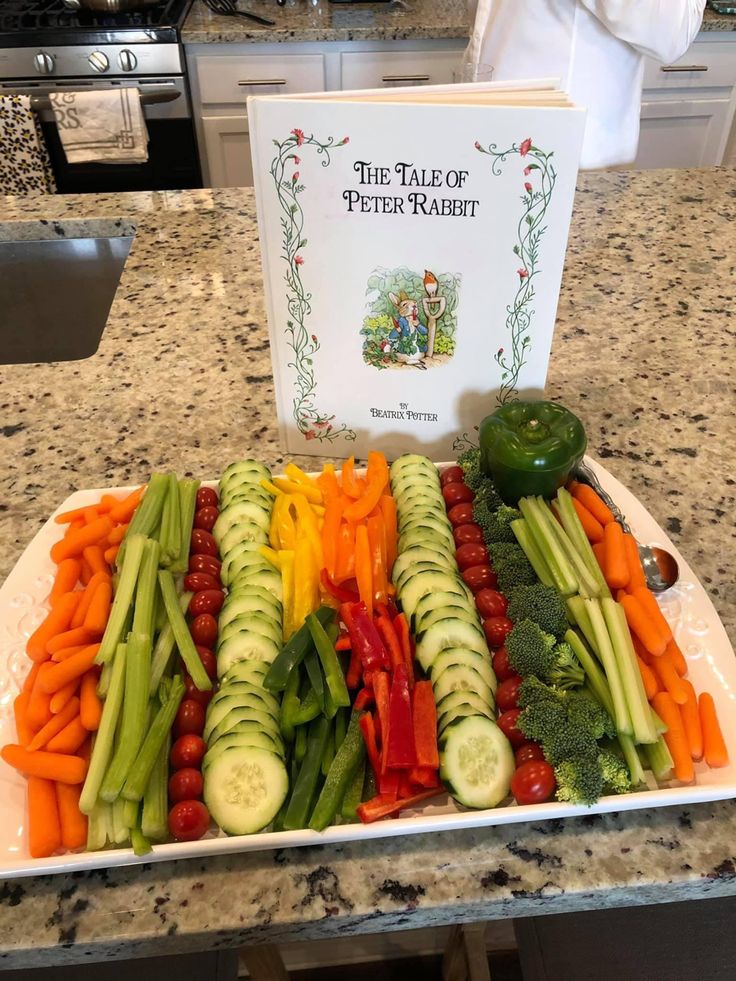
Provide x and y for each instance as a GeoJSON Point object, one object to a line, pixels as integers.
{"type": "Point", "coordinates": [476, 762]}
{"type": "Point", "coordinates": [244, 788]}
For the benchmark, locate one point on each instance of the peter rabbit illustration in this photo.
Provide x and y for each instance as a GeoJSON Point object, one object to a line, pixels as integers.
{"type": "Point", "coordinates": [407, 323]}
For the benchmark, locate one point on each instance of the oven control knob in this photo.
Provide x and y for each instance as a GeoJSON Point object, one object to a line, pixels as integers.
{"type": "Point", "coordinates": [127, 60]}
{"type": "Point", "coordinates": [98, 61]}
{"type": "Point", "coordinates": [44, 63]}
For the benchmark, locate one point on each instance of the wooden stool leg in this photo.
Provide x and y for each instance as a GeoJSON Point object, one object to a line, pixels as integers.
{"type": "Point", "coordinates": [475, 951]}
{"type": "Point", "coordinates": [264, 963]}
{"type": "Point", "coordinates": [454, 962]}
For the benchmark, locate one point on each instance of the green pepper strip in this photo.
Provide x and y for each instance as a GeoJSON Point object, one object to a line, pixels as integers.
{"type": "Point", "coordinates": [290, 706]}
{"type": "Point", "coordinates": [353, 795]}
{"type": "Point", "coordinates": [329, 753]}
{"type": "Point", "coordinates": [309, 773]}
{"type": "Point", "coordinates": [294, 652]}
{"type": "Point", "coordinates": [331, 666]}
{"type": "Point", "coordinates": [300, 744]}
{"type": "Point", "coordinates": [347, 760]}
{"type": "Point", "coordinates": [308, 709]}
{"type": "Point", "coordinates": [314, 672]}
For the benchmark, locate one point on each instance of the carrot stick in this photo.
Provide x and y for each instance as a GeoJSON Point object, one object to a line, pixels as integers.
{"type": "Point", "coordinates": [599, 550]}
{"type": "Point", "coordinates": [77, 540]}
{"type": "Point", "coordinates": [70, 739]}
{"type": "Point", "coordinates": [39, 763]}
{"type": "Point", "coordinates": [591, 525]}
{"type": "Point", "coordinates": [674, 653]}
{"type": "Point", "coordinates": [117, 534]}
{"type": "Point", "coordinates": [616, 569]}
{"type": "Point", "coordinates": [675, 737]}
{"type": "Point", "coordinates": [67, 576]}
{"type": "Point", "coordinates": [651, 685]}
{"type": "Point", "coordinates": [55, 724]}
{"type": "Point", "coordinates": [650, 604]}
{"type": "Point", "coordinates": [73, 822]}
{"type": "Point", "coordinates": [62, 673]}
{"type": "Point", "coordinates": [90, 706]}
{"type": "Point", "coordinates": [39, 704]}
{"type": "Point", "coordinates": [691, 723]}
{"type": "Point", "coordinates": [363, 570]}
{"type": "Point", "coordinates": [94, 556]}
{"type": "Point", "coordinates": [388, 510]}
{"type": "Point", "coordinates": [111, 554]}
{"type": "Point", "coordinates": [20, 713]}
{"type": "Point", "coordinates": [44, 828]}
{"type": "Point", "coordinates": [81, 611]}
{"type": "Point", "coordinates": [57, 621]}
{"type": "Point", "coordinates": [636, 573]}
{"type": "Point", "coordinates": [589, 499]}
{"type": "Point", "coordinates": [73, 638]}
{"type": "Point", "coordinates": [99, 610]}
{"type": "Point", "coordinates": [714, 746]}
{"type": "Point", "coordinates": [60, 698]}
{"type": "Point", "coordinates": [670, 679]}
{"type": "Point", "coordinates": [122, 512]}
{"type": "Point", "coordinates": [641, 624]}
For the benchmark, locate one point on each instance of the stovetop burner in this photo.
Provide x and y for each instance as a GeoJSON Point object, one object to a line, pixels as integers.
{"type": "Point", "coordinates": [30, 22]}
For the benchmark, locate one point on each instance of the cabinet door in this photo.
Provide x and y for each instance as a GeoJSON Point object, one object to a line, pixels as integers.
{"type": "Point", "coordinates": [392, 68]}
{"type": "Point", "coordinates": [227, 151]}
{"type": "Point", "coordinates": [687, 133]}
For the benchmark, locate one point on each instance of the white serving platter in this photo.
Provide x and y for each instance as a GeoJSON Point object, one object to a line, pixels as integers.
{"type": "Point", "coordinates": [698, 630]}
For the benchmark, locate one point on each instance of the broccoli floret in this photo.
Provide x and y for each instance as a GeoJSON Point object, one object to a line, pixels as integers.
{"type": "Point", "coordinates": [616, 776]}
{"type": "Point", "coordinates": [589, 714]}
{"type": "Point", "coordinates": [470, 462]}
{"type": "Point", "coordinates": [511, 566]}
{"type": "Point", "coordinates": [566, 672]}
{"type": "Point", "coordinates": [495, 523]}
{"type": "Point", "coordinates": [579, 781]}
{"type": "Point", "coordinates": [530, 649]}
{"type": "Point", "coordinates": [486, 492]}
{"type": "Point", "coordinates": [539, 603]}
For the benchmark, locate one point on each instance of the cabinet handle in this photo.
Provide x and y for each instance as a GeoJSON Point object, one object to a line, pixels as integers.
{"type": "Point", "coordinates": [683, 68]}
{"type": "Point", "coordinates": [262, 81]}
{"type": "Point", "coordinates": [406, 78]}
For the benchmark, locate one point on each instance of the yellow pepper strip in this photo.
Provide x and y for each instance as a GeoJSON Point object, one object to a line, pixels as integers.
{"type": "Point", "coordinates": [286, 524]}
{"type": "Point", "coordinates": [306, 592]}
{"type": "Point", "coordinates": [312, 494]}
{"type": "Point", "coordinates": [273, 556]}
{"type": "Point", "coordinates": [287, 585]}
{"type": "Point", "coordinates": [319, 510]}
{"type": "Point", "coordinates": [308, 526]}
{"type": "Point", "coordinates": [273, 531]}
{"type": "Point", "coordinates": [271, 488]}
{"type": "Point", "coordinates": [295, 473]}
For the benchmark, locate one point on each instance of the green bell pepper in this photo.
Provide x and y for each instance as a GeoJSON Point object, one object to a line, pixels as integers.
{"type": "Point", "coordinates": [530, 448]}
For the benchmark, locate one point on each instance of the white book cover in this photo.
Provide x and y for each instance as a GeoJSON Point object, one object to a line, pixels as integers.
{"type": "Point", "coordinates": [412, 257]}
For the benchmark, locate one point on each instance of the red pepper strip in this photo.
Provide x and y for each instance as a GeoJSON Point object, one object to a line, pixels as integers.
{"type": "Point", "coordinates": [388, 784]}
{"type": "Point", "coordinates": [424, 717]}
{"type": "Point", "coordinates": [392, 609]}
{"type": "Point", "coordinates": [364, 636]}
{"type": "Point", "coordinates": [339, 592]}
{"type": "Point", "coordinates": [381, 691]}
{"type": "Point", "coordinates": [401, 628]}
{"type": "Point", "coordinates": [343, 643]}
{"type": "Point", "coordinates": [379, 807]}
{"type": "Point", "coordinates": [398, 749]}
{"type": "Point", "coordinates": [388, 636]}
{"type": "Point", "coordinates": [405, 787]}
{"type": "Point", "coordinates": [363, 700]}
{"type": "Point", "coordinates": [355, 669]}
{"type": "Point", "coordinates": [368, 729]}
{"type": "Point", "coordinates": [424, 776]}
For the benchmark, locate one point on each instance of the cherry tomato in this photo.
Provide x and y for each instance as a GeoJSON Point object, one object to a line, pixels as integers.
{"type": "Point", "coordinates": [203, 697]}
{"type": "Point", "coordinates": [496, 630]}
{"type": "Point", "coordinates": [453, 475]}
{"type": "Point", "coordinates": [206, 601]}
{"type": "Point", "coordinates": [507, 693]}
{"type": "Point", "coordinates": [501, 666]}
{"type": "Point", "coordinates": [460, 514]}
{"type": "Point", "coordinates": [479, 577]}
{"type": "Point", "coordinates": [185, 784]}
{"type": "Point", "coordinates": [195, 581]}
{"type": "Point", "coordinates": [206, 518]}
{"type": "Point", "coordinates": [471, 553]}
{"type": "Point", "coordinates": [490, 603]}
{"type": "Point", "coordinates": [204, 630]}
{"type": "Point", "coordinates": [206, 563]}
{"type": "Point", "coordinates": [203, 543]}
{"type": "Point", "coordinates": [507, 724]}
{"type": "Point", "coordinates": [208, 660]}
{"type": "Point", "coordinates": [533, 783]}
{"type": "Point", "coordinates": [467, 533]}
{"type": "Point", "coordinates": [207, 498]}
{"type": "Point", "coordinates": [527, 753]}
{"type": "Point", "coordinates": [188, 820]}
{"type": "Point", "coordinates": [189, 719]}
{"type": "Point", "coordinates": [457, 494]}
{"type": "Point", "coordinates": [187, 751]}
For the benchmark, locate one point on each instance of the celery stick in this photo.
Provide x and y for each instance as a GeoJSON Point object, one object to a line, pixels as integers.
{"type": "Point", "coordinates": [631, 756]}
{"type": "Point", "coordinates": [147, 515]}
{"type": "Point", "coordinates": [121, 831]}
{"type": "Point", "coordinates": [181, 632]}
{"type": "Point", "coordinates": [97, 827]}
{"type": "Point", "coordinates": [123, 598]}
{"type": "Point", "coordinates": [141, 845]}
{"type": "Point", "coordinates": [636, 699]}
{"type": "Point", "coordinates": [538, 562]}
{"type": "Point", "coordinates": [610, 666]}
{"type": "Point", "coordinates": [145, 594]}
{"type": "Point", "coordinates": [596, 678]}
{"type": "Point", "coordinates": [586, 583]}
{"type": "Point", "coordinates": [563, 576]}
{"type": "Point", "coordinates": [187, 505]}
{"type": "Point", "coordinates": [140, 772]}
{"type": "Point", "coordinates": [573, 526]}
{"type": "Point", "coordinates": [170, 537]}
{"type": "Point", "coordinates": [130, 813]}
{"type": "Point", "coordinates": [164, 647]}
{"type": "Point", "coordinates": [659, 726]}
{"type": "Point", "coordinates": [659, 759]}
{"type": "Point", "coordinates": [133, 721]}
{"type": "Point", "coordinates": [576, 607]}
{"type": "Point", "coordinates": [155, 800]}
{"type": "Point", "coordinates": [159, 612]}
{"type": "Point", "coordinates": [102, 749]}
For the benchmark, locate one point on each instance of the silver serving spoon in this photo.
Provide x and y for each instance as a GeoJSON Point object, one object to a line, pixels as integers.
{"type": "Point", "coordinates": [660, 567]}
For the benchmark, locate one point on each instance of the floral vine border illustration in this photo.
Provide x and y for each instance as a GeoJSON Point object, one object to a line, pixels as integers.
{"type": "Point", "coordinates": [311, 423]}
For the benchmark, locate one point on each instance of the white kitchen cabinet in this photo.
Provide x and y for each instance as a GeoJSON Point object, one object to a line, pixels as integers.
{"type": "Point", "coordinates": [226, 157]}
{"type": "Point", "coordinates": [390, 69]}
{"type": "Point", "coordinates": [686, 133]}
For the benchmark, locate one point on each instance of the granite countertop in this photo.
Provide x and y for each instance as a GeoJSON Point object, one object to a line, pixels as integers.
{"type": "Point", "coordinates": [324, 21]}
{"type": "Point", "coordinates": [644, 351]}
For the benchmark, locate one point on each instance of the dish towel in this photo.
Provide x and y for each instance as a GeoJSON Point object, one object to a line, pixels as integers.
{"type": "Point", "coordinates": [25, 167]}
{"type": "Point", "coordinates": [102, 125]}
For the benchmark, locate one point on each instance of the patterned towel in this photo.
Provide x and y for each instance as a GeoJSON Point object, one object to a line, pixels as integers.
{"type": "Point", "coordinates": [102, 125]}
{"type": "Point", "coordinates": [25, 167]}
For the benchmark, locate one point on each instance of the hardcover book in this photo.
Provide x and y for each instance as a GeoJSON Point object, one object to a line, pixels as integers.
{"type": "Point", "coordinates": [413, 242]}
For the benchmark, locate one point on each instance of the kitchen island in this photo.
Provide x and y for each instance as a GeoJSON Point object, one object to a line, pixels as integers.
{"type": "Point", "coordinates": [644, 351]}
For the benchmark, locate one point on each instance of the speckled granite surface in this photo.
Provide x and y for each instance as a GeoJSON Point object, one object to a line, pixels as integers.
{"type": "Point", "coordinates": [644, 350]}
{"type": "Point", "coordinates": [324, 21]}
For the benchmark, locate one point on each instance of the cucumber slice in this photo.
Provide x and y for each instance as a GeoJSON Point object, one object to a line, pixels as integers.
{"type": "Point", "coordinates": [419, 495]}
{"type": "Point", "coordinates": [245, 561]}
{"type": "Point", "coordinates": [411, 461]}
{"type": "Point", "coordinates": [244, 789]}
{"type": "Point", "coordinates": [247, 492]}
{"type": "Point", "coordinates": [250, 471]}
{"type": "Point", "coordinates": [244, 533]}
{"type": "Point", "coordinates": [447, 708]}
{"type": "Point", "coordinates": [459, 595]}
{"type": "Point", "coordinates": [462, 678]}
{"type": "Point", "coordinates": [218, 711]}
{"type": "Point", "coordinates": [236, 688]}
{"type": "Point", "coordinates": [240, 737]}
{"type": "Point", "coordinates": [250, 671]}
{"type": "Point", "coordinates": [257, 622]}
{"type": "Point", "coordinates": [431, 514]}
{"type": "Point", "coordinates": [242, 604]}
{"type": "Point", "coordinates": [266, 578]}
{"type": "Point", "coordinates": [419, 553]}
{"type": "Point", "coordinates": [448, 633]}
{"type": "Point", "coordinates": [436, 565]}
{"type": "Point", "coordinates": [455, 611]}
{"type": "Point", "coordinates": [251, 727]}
{"type": "Point", "coordinates": [425, 582]}
{"type": "Point", "coordinates": [457, 656]}
{"type": "Point", "coordinates": [246, 645]}
{"type": "Point", "coordinates": [421, 537]}
{"type": "Point", "coordinates": [243, 713]}
{"type": "Point", "coordinates": [476, 762]}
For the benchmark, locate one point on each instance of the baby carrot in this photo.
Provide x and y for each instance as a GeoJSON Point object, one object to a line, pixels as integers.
{"type": "Point", "coordinates": [650, 604]}
{"type": "Point", "coordinates": [86, 574]}
{"type": "Point", "coordinates": [714, 746]}
{"type": "Point", "coordinates": [66, 652]}
{"type": "Point", "coordinates": [591, 525]}
{"type": "Point", "coordinates": [599, 550]}
{"type": "Point", "coordinates": [65, 580]}
{"type": "Point", "coordinates": [670, 679]}
{"type": "Point", "coordinates": [589, 499]}
{"type": "Point", "coordinates": [69, 517]}
{"type": "Point", "coordinates": [81, 611]}
{"type": "Point", "coordinates": [99, 610]}
{"type": "Point", "coordinates": [117, 534]}
{"type": "Point", "coordinates": [44, 828]}
{"type": "Point", "coordinates": [69, 740]}
{"type": "Point", "coordinates": [363, 570]}
{"type": "Point", "coordinates": [62, 673]}
{"type": "Point", "coordinates": [675, 737]}
{"type": "Point", "coordinates": [122, 512]}
{"type": "Point", "coordinates": [616, 570]}
{"type": "Point", "coordinates": [20, 713]}
{"type": "Point", "coordinates": [72, 638]}
{"type": "Point", "coordinates": [636, 573]}
{"type": "Point", "coordinates": [31, 676]}
{"type": "Point", "coordinates": [641, 651]}
{"type": "Point", "coordinates": [691, 723]}
{"type": "Point", "coordinates": [651, 685]}
{"type": "Point", "coordinates": [640, 624]}
{"type": "Point", "coordinates": [572, 485]}
{"type": "Point", "coordinates": [57, 621]}
{"type": "Point", "coordinates": [677, 657]}
{"type": "Point", "coordinates": [50, 766]}
{"type": "Point", "coordinates": [90, 514]}
{"type": "Point", "coordinates": [73, 822]}
{"type": "Point", "coordinates": [111, 554]}
{"type": "Point", "coordinates": [55, 724]}
{"type": "Point", "coordinates": [94, 556]}
{"type": "Point", "coordinates": [77, 540]}
{"type": "Point", "coordinates": [39, 704]}
{"type": "Point", "coordinates": [90, 706]}
{"type": "Point", "coordinates": [60, 698]}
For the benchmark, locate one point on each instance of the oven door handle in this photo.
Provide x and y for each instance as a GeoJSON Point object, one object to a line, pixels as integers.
{"type": "Point", "coordinates": [40, 103]}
